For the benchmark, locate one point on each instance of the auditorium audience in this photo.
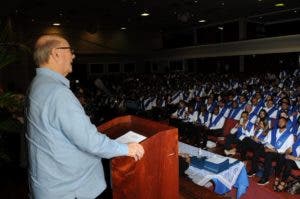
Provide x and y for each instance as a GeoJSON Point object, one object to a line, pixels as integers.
{"type": "Point", "coordinates": [249, 106]}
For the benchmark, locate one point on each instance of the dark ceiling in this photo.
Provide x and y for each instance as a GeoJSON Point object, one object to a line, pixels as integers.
{"type": "Point", "coordinates": [164, 14]}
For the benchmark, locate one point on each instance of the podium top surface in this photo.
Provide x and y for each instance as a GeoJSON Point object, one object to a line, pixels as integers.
{"type": "Point", "coordinates": [121, 125]}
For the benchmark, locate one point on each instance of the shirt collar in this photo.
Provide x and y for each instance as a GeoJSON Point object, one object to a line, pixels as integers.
{"type": "Point", "coordinates": [54, 75]}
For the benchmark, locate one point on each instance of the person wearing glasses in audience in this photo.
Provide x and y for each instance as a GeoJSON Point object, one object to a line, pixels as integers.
{"type": "Point", "coordinates": [65, 148]}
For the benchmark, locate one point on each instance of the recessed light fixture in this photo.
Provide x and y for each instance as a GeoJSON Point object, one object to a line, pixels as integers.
{"type": "Point", "coordinates": [279, 4]}
{"type": "Point", "coordinates": [221, 28]}
{"type": "Point", "coordinates": [295, 11]}
{"type": "Point", "coordinates": [202, 21]}
{"type": "Point", "coordinates": [123, 28]}
{"type": "Point", "coordinates": [56, 24]}
{"type": "Point", "coordinates": [145, 14]}
{"type": "Point", "coordinates": [259, 0]}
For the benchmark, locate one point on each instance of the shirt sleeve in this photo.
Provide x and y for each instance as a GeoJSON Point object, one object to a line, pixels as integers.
{"type": "Point", "coordinates": [68, 116]}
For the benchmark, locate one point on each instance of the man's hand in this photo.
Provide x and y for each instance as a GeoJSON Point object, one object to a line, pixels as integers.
{"type": "Point", "coordinates": [135, 150]}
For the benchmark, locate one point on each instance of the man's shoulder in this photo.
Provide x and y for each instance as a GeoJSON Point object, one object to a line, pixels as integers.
{"type": "Point", "coordinates": [47, 88]}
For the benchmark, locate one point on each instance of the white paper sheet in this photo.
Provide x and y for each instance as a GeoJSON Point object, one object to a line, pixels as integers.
{"type": "Point", "coordinates": [130, 136]}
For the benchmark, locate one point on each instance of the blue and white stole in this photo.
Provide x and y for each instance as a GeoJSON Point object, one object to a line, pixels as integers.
{"type": "Point", "coordinates": [242, 105]}
{"type": "Point", "coordinates": [295, 146]}
{"type": "Point", "coordinates": [197, 106]}
{"type": "Point", "coordinates": [282, 138]}
{"type": "Point", "coordinates": [175, 96]}
{"type": "Point", "coordinates": [261, 102]}
{"type": "Point", "coordinates": [228, 104]}
{"type": "Point", "coordinates": [148, 101]}
{"type": "Point", "coordinates": [205, 118]}
{"type": "Point", "coordinates": [212, 106]}
{"type": "Point", "coordinates": [185, 96]}
{"type": "Point", "coordinates": [240, 129]}
{"type": "Point", "coordinates": [180, 112]}
{"type": "Point", "coordinates": [217, 119]}
{"type": "Point", "coordinates": [233, 112]}
{"type": "Point", "coordinates": [254, 112]}
{"type": "Point", "coordinates": [271, 111]}
{"type": "Point", "coordinates": [261, 136]}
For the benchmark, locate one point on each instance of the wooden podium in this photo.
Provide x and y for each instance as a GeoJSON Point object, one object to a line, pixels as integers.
{"type": "Point", "coordinates": [155, 176]}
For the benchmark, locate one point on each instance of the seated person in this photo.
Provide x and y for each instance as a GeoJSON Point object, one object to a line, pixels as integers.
{"type": "Point", "coordinates": [191, 115]}
{"type": "Point", "coordinates": [223, 109]}
{"type": "Point", "coordinates": [216, 120]}
{"type": "Point", "coordinates": [177, 117]}
{"type": "Point", "coordinates": [271, 110]}
{"type": "Point", "coordinates": [262, 116]}
{"type": "Point", "coordinates": [277, 142]}
{"type": "Point", "coordinates": [210, 104]}
{"type": "Point", "coordinates": [253, 109]}
{"type": "Point", "coordinates": [241, 130]}
{"type": "Point", "coordinates": [255, 142]}
{"type": "Point", "coordinates": [293, 154]}
{"type": "Point", "coordinates": [203, 116]}
{"type": "Point", "coordinates": [187, 128]}
{"type": "Point", "coordinates": [198, 136]}
{"type": "Point", "coordinates": [180, 112]}
{"type": "Point", "coordinates": [214, 125]}
{"type": "Point", "coordinates": [235, 111]}
{"type": "Point", "coordinates": [233, 117]}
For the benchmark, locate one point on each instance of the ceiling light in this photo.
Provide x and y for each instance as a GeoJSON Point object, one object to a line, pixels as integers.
{"type": "Point", "coordinates": [123, 28]}
{"type": "Point", "coordinates": [202, 21]}
{"type": "Point", "coordinates": [56, 24]}
{"type": "Point", "coordinates": [145, 14]}
{"type": "Point", "coordinates": [279, 5]}
{"type": "Point", "coordinates": [221, 28]}
{"type": "Point", "coordinates": [259, 0]}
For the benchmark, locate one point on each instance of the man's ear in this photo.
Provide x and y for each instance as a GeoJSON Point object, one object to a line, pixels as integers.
{"type": "Point", "coordinates": [54, 53]}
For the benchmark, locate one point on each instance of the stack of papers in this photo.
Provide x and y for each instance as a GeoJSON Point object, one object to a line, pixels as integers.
{"type": "Point", "coordinates": [216, 159]}
{"type": "Point", "coordinates": [130, 136]}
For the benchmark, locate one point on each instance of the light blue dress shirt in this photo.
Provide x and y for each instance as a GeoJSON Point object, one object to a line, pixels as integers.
{"type": "Point", "coordinates": [65, 148]}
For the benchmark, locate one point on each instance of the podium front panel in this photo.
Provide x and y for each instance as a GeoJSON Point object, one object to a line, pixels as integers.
{"type": "Point", "coordinates": [156, 175]}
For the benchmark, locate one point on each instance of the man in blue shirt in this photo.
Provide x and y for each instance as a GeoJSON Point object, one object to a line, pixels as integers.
{"type": "Point", "coordinates": [65, 148]}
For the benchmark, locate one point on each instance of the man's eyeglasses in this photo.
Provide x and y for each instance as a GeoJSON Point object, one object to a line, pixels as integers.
{"type": "Point", "coordinates": [68, 47]}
